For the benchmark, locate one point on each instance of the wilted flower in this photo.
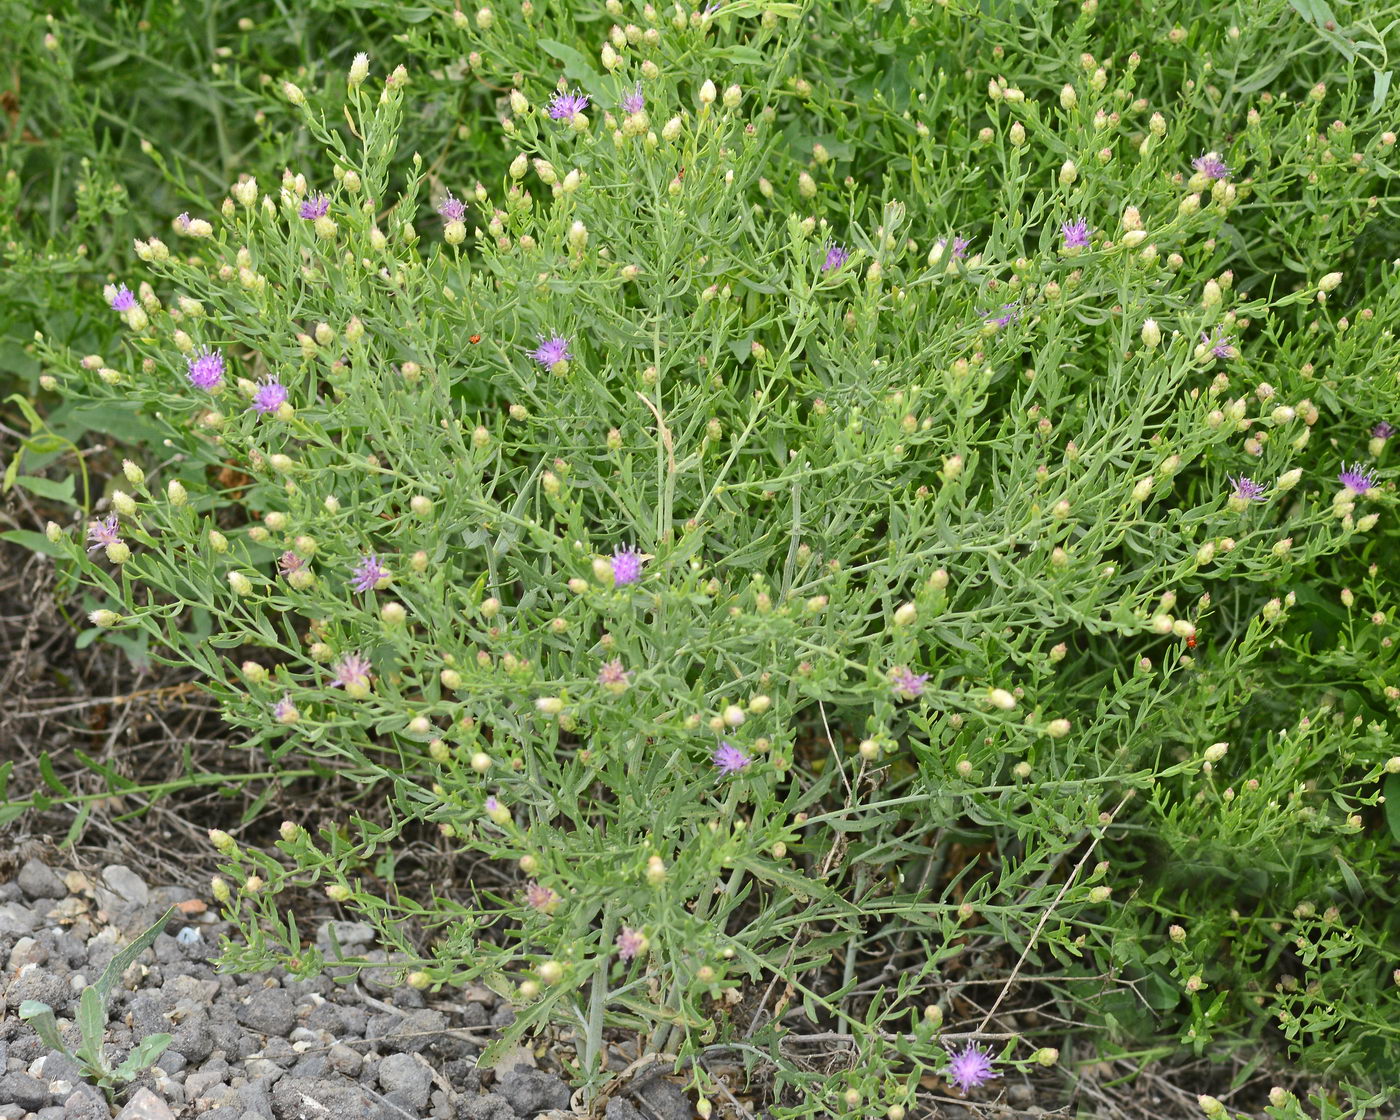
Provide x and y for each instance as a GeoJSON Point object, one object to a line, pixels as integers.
{"type": "Point", "coordinates": [1383, 430]}
{"type": "Point", "coordinates": [1356, 478]}
{"type": "Point", "coordinates": [1009, 313]}
{"type": "Point", "coordinates": [1075, 233]}
{"type": "Point", "coordinates": [635, 101]}
{"type": "Point", "coordinates": [567, 104]}
{"type": "Point", "coordinates": [1247, 490]}
{"type": "Point", "coordinates": [182, 221]}
{"type": "Point", "coordinates": [626, 566]}
{"type": "Point", "coordinates": [613, 677]}
{"type": "Point", "coordinates": [102, 533]}
{"type": "Point", "coordinates": [206, 368]}
{"type": "Point", "coordinates": [1220, 345]}
{"type": "Point", "coordinates": [452, 209]}
{"type": "Point", "coordinates": [551, 350]}
{"type": "Point", "coordinates": [971, 1067]}
{"type": "Point", "coordinates": [271, 396]}
{"type": "Point", "coordinates": [351, 671]}
{"type": "Point", "coordinates": [123, 299]}
{"type": "Point", "coordinates": [541, 898]}
{"type": "Point", "coordinates": [284, 711]}
{"type": "Point", "coordinates": [317, 206]}
{"type": "Point", "coordinates": [630, 942]}
{"type": "Point", "coordinates": [290, 562]}
{"type": "Point", "coordinates": [906, 684]}
{"type": "Point", "coordinates": [368, 573]}
{"type": "Point", "coordinates": [729, 759]}
{"type": "Point", "coordinates": [836, 256]}
{"type": "Point", "coordinates": [1211, 166]}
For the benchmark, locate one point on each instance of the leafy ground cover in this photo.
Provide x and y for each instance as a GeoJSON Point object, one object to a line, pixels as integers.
{"type": "Point", "coordinates": [864, 522]}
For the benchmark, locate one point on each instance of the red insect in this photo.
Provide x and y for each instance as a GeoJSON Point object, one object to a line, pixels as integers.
{"type": "Point", "coordinates": [1191, 642]}
{"type": "Point", "coordinates": [474, 339]}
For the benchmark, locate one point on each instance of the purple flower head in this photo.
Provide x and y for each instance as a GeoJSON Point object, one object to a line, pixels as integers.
{"type": "Point", "coordinates": [970, 1068]}
{"type": "Point", "coordinates": [290, 562]}
{"type": "Point", "coordinates": [182, 221]}
{"type": "Point", "coordinates": [1211, 166]}
{"type": "Point", "coordinates": [102, 533]}
{"type": "Point", "coordinates": [317, 206]}
{"type": "Point", "coordinates": [271, 396]}
{"type": "Point", "coordinates": [630, 942]}
{"type": "Point", "coordinates": [836, 256]}
{"type": "Point", "coordinates": [1009, 313]}
{"type": "Point", "coordinates": [1247, 490]}
{"type": "Point", "coordinates": [452, 209]}
{"type": "Point", "coordinates": [123, 299]}
{"type": "Point", "coordinates": [206, 368]}
{"type": "Point", "coordinates": [1075, 233]}
{"type": "Point", "coordinates": [1220, 345]}
{"type": "Point", "coordinates": [1383, 430]}
{"type": "Point", "coordinates": [626, 566]}
{"type": "Point", "coordinates": [551, 350]}
{"type": "Point", "coordinates": [729, 759]}
{"type": "Point", "coordinates": [541, 898]}
{"type": "Point", "coordinates": [368, 572]}
{"type": "Point", "coordinates": [1356, 478]}
{"type": "Point", "coordinates": [567, 104]}
{"type": "Point", "coordinates": [906, 684]}
{"type": "Point", "coordinates": [635, 101]}
{"type": "Point", "coordinates": [351, 671]}
{"type": "Point", "coordinates": [613, 677]}
{"type": "Point", "coordinates": [960, 245]}
{"type": "Point", "coordinates": [284, 711]}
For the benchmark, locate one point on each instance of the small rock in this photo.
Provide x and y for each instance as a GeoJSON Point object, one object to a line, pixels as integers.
{"type": "Point", "coordinates": [33, 982]}
{"type": "Point", "coordinates": [348, 935]}
{"type": "Point", "coordinates": [27, 951]}
{"type": "Point", "coordinates": [532, 1091]}
{"type": "Point", "coordinates": [28, 1092]}
{"type": "Point", "coordinates": [344, 1059]}
{"type": "Point", "coordinates": [172, 1061]}
{"type": "Point", "coordinates": [17, 920]}
{"type": "Point", "coordinates": [126, 885]}
{"type": "Point", "coordinates": [620, 1109]}
{"type": "Point", "coordinates": [485, 1106]}
{"type": "Point", "coordinates": [294, 1099]}
{"type": "Point", "coordinates": [665, 1099]}
{"type": "Point", "coordinates": [86, 1103]}
{"type": "Point", "coordinates": [52, 1112]}
{"type": "Point", "coordinates": [38, 881]}
{"type": "Point", "coordinates": [269, 1011]}
{"type": "Point", "coordinates": [1020, 1095]}
{"type": "Point", "coordinates": [415, 1032]}
{"type": "Point", "coordinates": [406, 1077]}
{"type": "Point", "coordinates": [145, 1105]}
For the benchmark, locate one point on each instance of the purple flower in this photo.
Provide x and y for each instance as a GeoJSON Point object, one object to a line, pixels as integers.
{"type": "Point", "coordinates": [368, 572]}
{"type": "Point", "coordinates": [634, 102]}
{"type": "Point", "coordinates": [452, 209]}
{"type": "Point", "coordinates": [551, 350]}
{"type": "Point", "coordinates": [1075, 233]}
{"type": "Point", "coordinates": [613, 677]}
{"type": "Point", "coordinates": [729, 759]}
{"type": "Point", "coordinates": [271, 396]}
{"type": "Point", "coordinates": [567, 104]}
{"type": "Point", "coordinates": [906, 684]}
{"type": "Point", "coordinates": [1220, 345]}
{"type": "Point", "coordinates": [960, 245]}
{"type": "Point", "coordinates": [284, 711]}
{"type": "Point", "coordinates": [351, 671]}
{"type": "Point", "coordinates": [102, 533]}
{"type": "Point", "coordinates": [1247, 490]}
{"type": "Point", "coordinates": [971, 1067]}
{"type": "Point", "coordinates": [1382, 430]}
{"type": "Point", "coordinates": [290, 562]}
{"type": "Point", "coordinates": [1010, 312]}
{"type": "Point", "coordinates": [541, 898]}
{"type": "Point", "coordinates": [1356, 478]}
{"type": "Point", "coordinates": [836, 256]}
{"type": "Point", "coordinates": [317, 206]}
{"type": "Point", "coordinates": [206, 368]}
{"type": "Point", "coordinates": [626, 566]}
{"type": "Point", "coordinates": [182, 221]}
{"type": "Point", "coordinates": [630, 942]}
{"type": "Point", "coordinates": [1211, 166]}
{"type": "Point", "coordinates": [123, 299]}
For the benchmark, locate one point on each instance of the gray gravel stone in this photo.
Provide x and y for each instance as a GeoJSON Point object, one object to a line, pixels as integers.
{"type": "Point", "coordinates": [126, 884]}
{"type": "Point", "coordinates": [37, 881]}
{"type": "Point", "coordinates": [36, 982]}
{"type": "Point", "coordinates": [532, 1091]}
{"type": "Point", "coordinates": [665, 1099]}
{"type": "Point", "coordinates": [344, 1059]}
{"type": "Point", "coordinates": [17, 920]}
{"type": "Point", "coordinates": [485, 1106]}
{"type": "Point", "coordinates": [52, 1112]}
{"type": "Point", "coordinates": [403, 1076]}
{"type": "Point", "coordinates": [27, 951]}
{"type": "Point", "coordinates": [85, 1102]}
{"type": "Point", "coordinates": [21, 1089]}
{"type": "Point", "coordinates": [294, 1099]}
{"type": "Point", "coordinates": [269, 1011]}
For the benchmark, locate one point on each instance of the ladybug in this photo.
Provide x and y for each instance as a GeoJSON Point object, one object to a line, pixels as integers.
{"type": "Point", "coordinates": [1191, 642]}
{"type": "Point", "coordinates": [474, 339]}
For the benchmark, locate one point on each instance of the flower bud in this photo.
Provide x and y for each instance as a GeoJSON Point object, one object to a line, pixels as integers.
{"type": "Point", "coordinates": [1151, 333]}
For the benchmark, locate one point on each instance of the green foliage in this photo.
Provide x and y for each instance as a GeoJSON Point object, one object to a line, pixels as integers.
{"type": "Point", "coordinates": [950, 543]}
